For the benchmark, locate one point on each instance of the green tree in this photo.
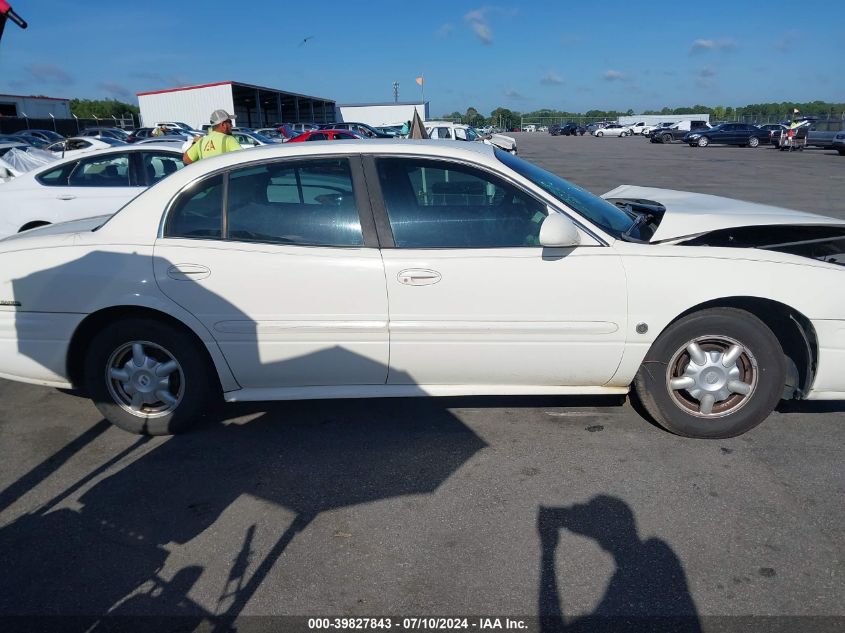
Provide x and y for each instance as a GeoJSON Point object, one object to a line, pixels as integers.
{"type": "Point", "coordinates": [101, 108]}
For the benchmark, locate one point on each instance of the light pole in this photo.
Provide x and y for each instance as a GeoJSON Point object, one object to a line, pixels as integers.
{"type": "Point", "coordinates": [27, 119]}
{"type": "Point", "coordinates": [54, 121]}
{"type": "Point", "coordinates": [395, 92]}
{"type": "Point", "coordinates": [77, 122]}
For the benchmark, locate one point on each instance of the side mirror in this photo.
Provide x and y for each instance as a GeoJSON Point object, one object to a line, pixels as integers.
{"type": "Point", "coordinates": [558, 231]}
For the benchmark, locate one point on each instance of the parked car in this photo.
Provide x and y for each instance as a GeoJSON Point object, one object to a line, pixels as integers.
{"type": "Point", "coordinates": [253, 139]}
{"type": "Point", "coordinates": [649, 129]}
{"type": "Point", "coordinates": [106, 132]}
{"type": "Point", "coordinates": [568, 129]}
{"type": "Point", "coordinates": [26, 139]}
{"type": "Point", "coordinates": [461, 132]}
{"type": "Point", "coordinates": [83, 186]}
{"type": "Point", "coordinates": [741, 134]}
{"type": "Point", "coordinates": [271, 132]}
{"type": "Point", "coordinates": [637, 128]}
{"type": "Point", "coordinates": [179, 128]}
{"type": "Point", "coordinates": [6, 146]}
{"type": "Point", "coordinates": [74, 146]}
{"type": "Point", "coordinates": [614, 129]}
{"type": "Point", "coordinates": [676, 131]}
{"type": "Point", "coordinates": [360, 286]}
{"type": "Point", "coordinates": [364, 130]}
{"type": "Point", "coordinates": [46, 135]}
{"type": "Point", "coordinates": [326, 135]}
{"type": "Point", "coordinates": [301, 127]}
{"type": "Point", "coordinates": [839, 143]}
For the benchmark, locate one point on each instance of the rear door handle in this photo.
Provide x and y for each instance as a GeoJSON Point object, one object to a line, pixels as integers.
{"type": "Point", "coordinates": [418, 277]}
{"type": "Point", "coordinates": [66, 196]}
{"type": "Point", "coordinates": [188, 272]}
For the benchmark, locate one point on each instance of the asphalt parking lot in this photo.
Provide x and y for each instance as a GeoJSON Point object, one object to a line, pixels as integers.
{"type": "Point", "coordinates": [560, 507]}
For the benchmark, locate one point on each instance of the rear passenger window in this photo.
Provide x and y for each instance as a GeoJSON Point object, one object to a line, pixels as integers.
{"type": "Point", "coordinates": [110, 171]}
{"type": "Point", "coordinates": [199, 210]}
{"type": "Point", "coordinates": [56, 177]}
{"type": "Point", "coordinates": [308, 203]}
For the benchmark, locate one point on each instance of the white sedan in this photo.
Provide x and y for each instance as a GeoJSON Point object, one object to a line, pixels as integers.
{"type": "Point", "coordinates": [614, 129]}
{"type": "Point", "coordinates": [89, 184]}
{"type": "Point", "coordinates": [423, 268]}
{"type": "Point", "coordinates": [76, 145]}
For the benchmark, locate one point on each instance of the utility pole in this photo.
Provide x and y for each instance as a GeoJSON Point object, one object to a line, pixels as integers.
{"type": "Point", "coordinates": [395, 92]}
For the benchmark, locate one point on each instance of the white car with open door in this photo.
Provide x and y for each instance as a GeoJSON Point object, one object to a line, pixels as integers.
{"type": "Point", "coordinates": [422, 268]}
{"type": "Point", "coordinates": [90, 184]}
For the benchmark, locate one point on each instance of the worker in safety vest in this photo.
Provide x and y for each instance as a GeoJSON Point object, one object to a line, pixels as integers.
{"type": "Point", "coordinates": [219, 139]}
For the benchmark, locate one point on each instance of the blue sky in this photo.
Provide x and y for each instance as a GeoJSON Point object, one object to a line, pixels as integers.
{"type": "Point", "coordinates": [523, 56]}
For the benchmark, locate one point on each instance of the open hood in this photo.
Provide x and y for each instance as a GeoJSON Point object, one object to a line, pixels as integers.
{"type": "Point", "coordinates": [689, 214]}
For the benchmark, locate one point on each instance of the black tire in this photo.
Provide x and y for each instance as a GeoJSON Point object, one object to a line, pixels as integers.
{"type": "Point", "coordinates": [193, 383]}
{"type": "Point", "coordinates": [761, 366]}
{"type": "Point", "coordinates": [666, 138]}
{"type": "Point", "coordinates": [753, 141]}
{"type": "Point", "coordinates": [599, 133]}
{"type": "Point", "coordinates": [841, 152]}
{"type": "Point", "coordinates": [703, 141]}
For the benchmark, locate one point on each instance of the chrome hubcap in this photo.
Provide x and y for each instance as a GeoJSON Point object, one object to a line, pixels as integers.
{"type": "Point", "coordinates": [712, 376]}
{"type": "Point", "coordinates": [145, 379]}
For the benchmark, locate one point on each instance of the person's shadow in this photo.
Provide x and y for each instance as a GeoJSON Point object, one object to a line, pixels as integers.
{"type": "Point", "coordinates": [648, 591]}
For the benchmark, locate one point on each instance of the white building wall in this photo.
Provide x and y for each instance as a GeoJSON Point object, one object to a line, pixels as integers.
{"type": "Point", "coordinates": [381, 114]}
{"type": "Point", "coordinates": [191, 105]}
{"type": "Point", "coordinates": [36, 108]}
{"type": "Point", "coordinates": [654, 119]}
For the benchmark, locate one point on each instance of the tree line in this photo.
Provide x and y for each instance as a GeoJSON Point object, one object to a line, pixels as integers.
{"type": "Point", "coordinates": [510, 118]}
{"type": "Point", "coordinates": [102, 108]}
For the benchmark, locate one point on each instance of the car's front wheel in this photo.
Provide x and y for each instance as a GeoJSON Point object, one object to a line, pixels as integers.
{"type": "Point", "coordinates": [599, 133]}
{"type": "Point", "coordinates": [703, 141]}
{"type": "Point", "coordinates": [666, 138]}
{"type": "Point", "coordinates": [753, 141]}
{"type": "Point", "coordinates": [712, 374]}
{"type": "Point", "coordinates": [148, 377]}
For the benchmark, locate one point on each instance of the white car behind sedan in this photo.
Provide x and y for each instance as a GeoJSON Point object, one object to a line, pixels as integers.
{"type": "Point", "coordinates": [89, 184]}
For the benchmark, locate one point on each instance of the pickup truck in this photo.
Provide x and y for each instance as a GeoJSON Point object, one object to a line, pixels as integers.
{"type": "Point", "coordinates": [677, 131]}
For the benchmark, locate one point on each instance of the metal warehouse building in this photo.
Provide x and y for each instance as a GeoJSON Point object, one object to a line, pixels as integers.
{"type": "Point", "coordinates": [34, 107]}
{"type": "Point", "coordinates": [377, 114]}
{"type": "Point", "coordinates": [254, 106]}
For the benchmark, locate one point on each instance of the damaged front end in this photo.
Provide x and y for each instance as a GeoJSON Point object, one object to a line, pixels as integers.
{"type": "Point", "coordinates": [823, 243]}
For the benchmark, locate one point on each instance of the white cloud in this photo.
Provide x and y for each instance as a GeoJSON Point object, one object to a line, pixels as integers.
{"type": "Point", "coordinates": [613, 75]}
{"type": "Point", "coordinates": [551, 78]}
{"type": "Point", "coordinates": [445, 30]}
{"type": "Point", "coordinates": [477, 19]}
{"type": "Point", "coordinates": [702, 45]}
{"type": "Point", "coordinates": [513, 94]}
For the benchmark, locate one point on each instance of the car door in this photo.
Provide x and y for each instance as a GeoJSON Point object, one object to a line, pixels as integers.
{"type": "Point", "coordinates": [279, 271]}
{"type": "Point", "coordinates": [474, 299]}
{"type": "Point", "coordinates": [96, 185]}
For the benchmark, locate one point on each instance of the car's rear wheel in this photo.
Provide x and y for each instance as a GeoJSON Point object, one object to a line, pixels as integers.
{"type": "Point", "coordinates": [753, 141]}
{"type": "Point", "coordinates": [712, 374]}
{"type": "Point", "coordinates": [703, 141]}
{"type": "Point", "coordinates": [148, 377]}
{"type": "Point", "coordinates": [599, 133]}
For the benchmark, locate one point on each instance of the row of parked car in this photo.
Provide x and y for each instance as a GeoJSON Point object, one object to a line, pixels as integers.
{"type": "Point", "coordinates": [701, 133]}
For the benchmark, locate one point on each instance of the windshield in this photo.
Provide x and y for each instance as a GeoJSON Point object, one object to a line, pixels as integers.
{"type": "Point", "coordinates": [600, 212]}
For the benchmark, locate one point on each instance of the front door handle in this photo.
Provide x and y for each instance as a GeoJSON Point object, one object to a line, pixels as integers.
{"type": "Point", "coordinates": [66, 196]}
{"type": "Point", "coordinates": [188, 272]}
{"type": "Point", "coordinates": [418, 277]}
